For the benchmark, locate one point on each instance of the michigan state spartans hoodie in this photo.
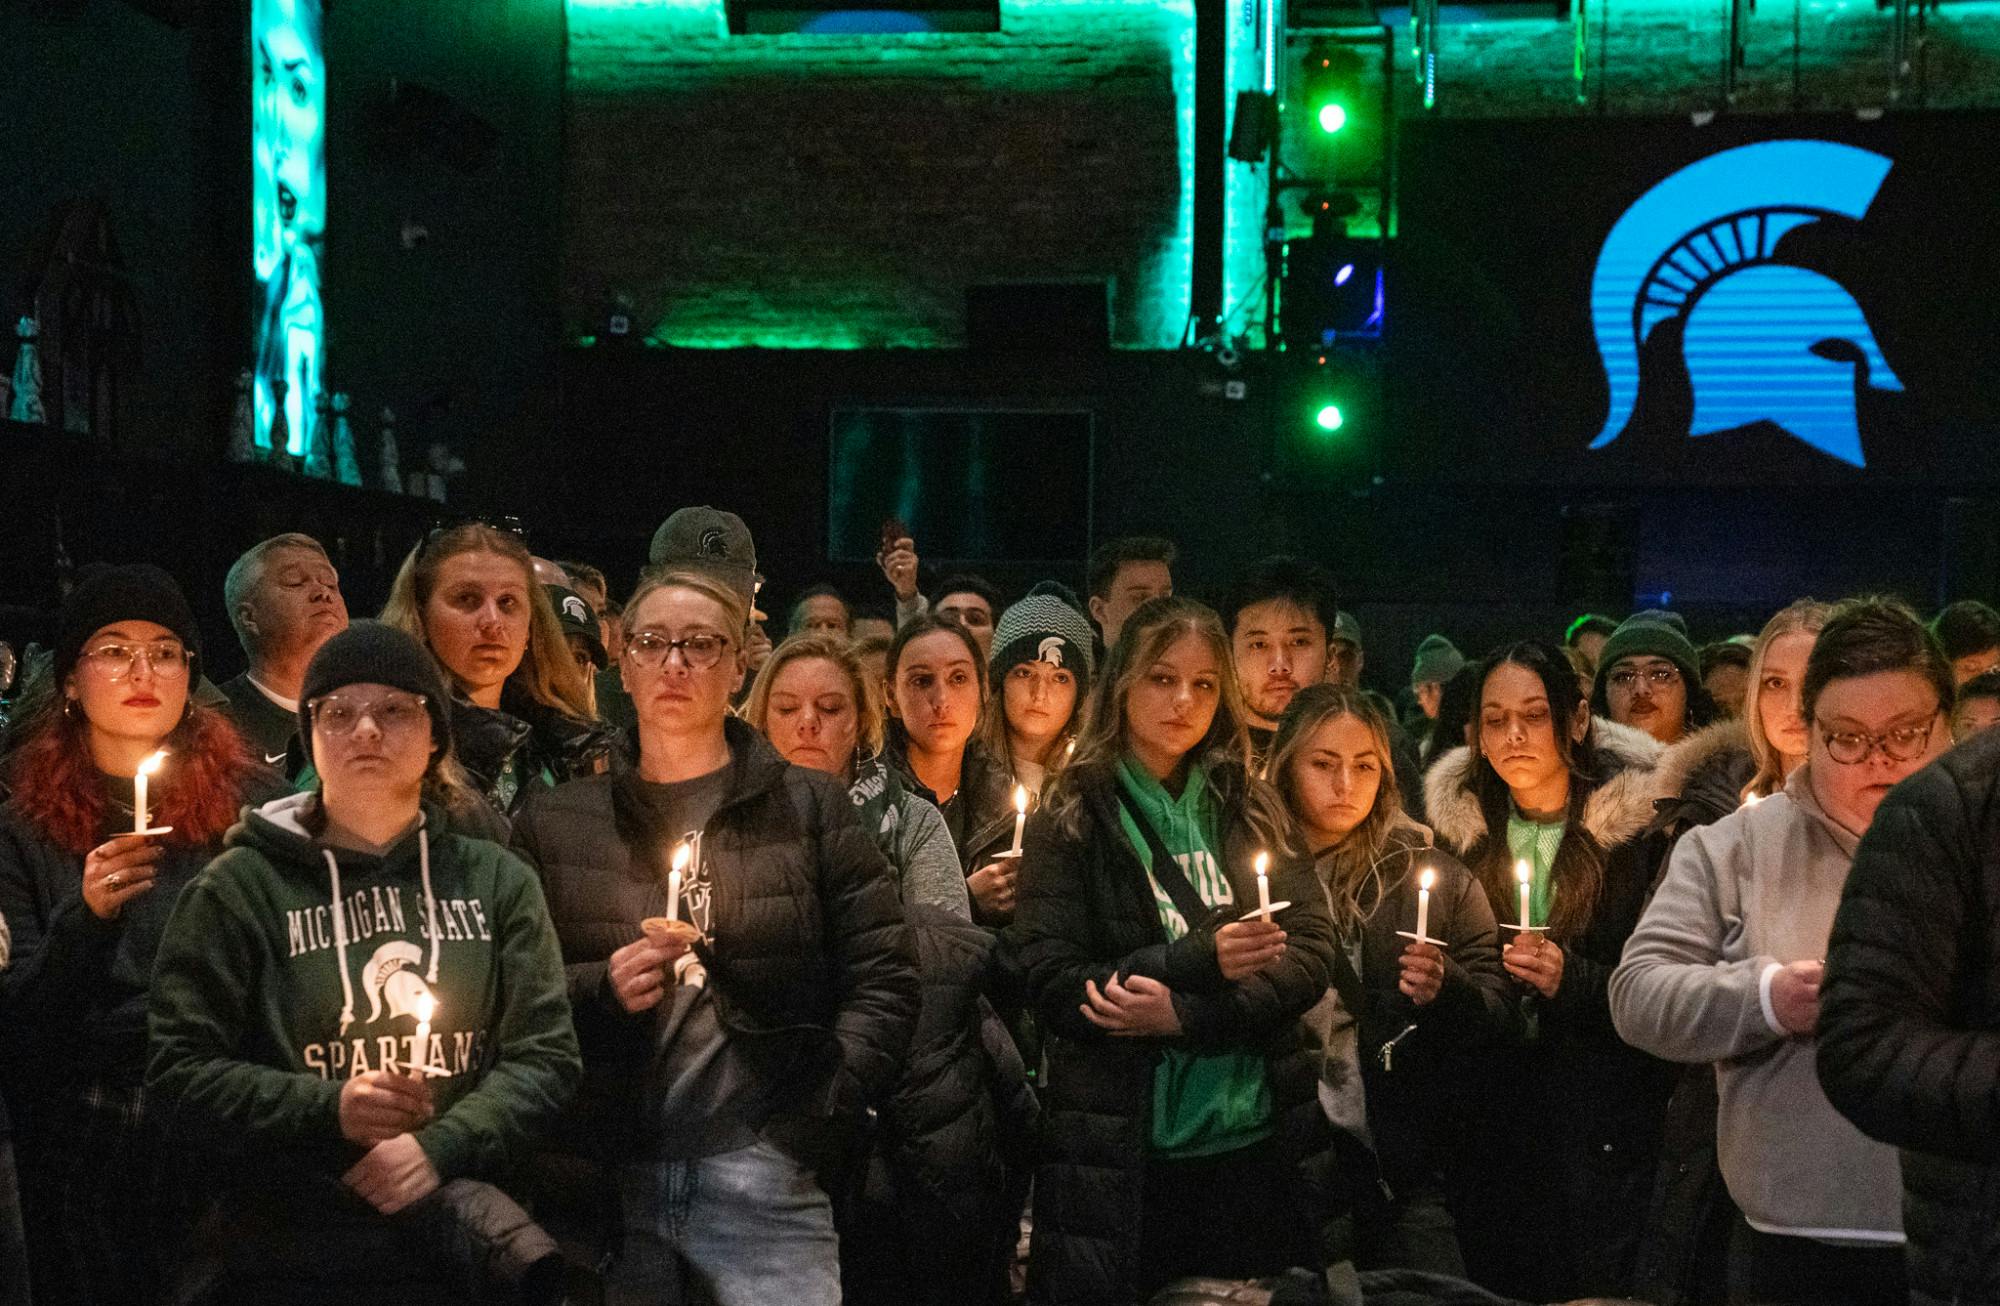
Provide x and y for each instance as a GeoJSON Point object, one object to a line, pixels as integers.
{"type": "Point", "coordinates": [289, 967]}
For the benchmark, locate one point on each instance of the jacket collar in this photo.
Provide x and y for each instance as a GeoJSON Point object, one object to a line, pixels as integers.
{"type": "Point", "coordinates": [1615, 811]}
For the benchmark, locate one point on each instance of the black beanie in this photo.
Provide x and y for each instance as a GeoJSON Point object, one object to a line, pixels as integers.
{"type": "Point", "coordinates": [370, 653]}
{"type": "Point", "coordinates": [137, 591]}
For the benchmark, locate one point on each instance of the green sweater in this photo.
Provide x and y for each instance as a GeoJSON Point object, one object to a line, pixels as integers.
{"type": "Point", "coordinates": [265, 1000]}
{"type": "Point", "coordinates": [1203, 1104]}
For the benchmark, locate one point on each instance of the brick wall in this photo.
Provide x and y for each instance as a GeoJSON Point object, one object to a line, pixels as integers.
{"type": "Point", "coordinates": [842, 191]}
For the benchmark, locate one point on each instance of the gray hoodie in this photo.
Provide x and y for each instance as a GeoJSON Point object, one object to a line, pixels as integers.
{"type": "Point", "coordinates": [1742, 898]}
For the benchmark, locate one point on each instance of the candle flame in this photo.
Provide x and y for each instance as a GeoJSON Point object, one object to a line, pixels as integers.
{"type": "Point", "coordinates": [1522, 871]}
{"type": "Point", "coordinates": [426, 1007]}
{"type": "Point", "coordinates": [151, 765]}
{"type": "Point", "coordinates": [1021, 799]}
{"type": "Point", "coordinates": [1263, 862]}
{"type": "Point", "coordinates": [1427, 879]}
{"type": "Point", "coordinates": [681, 854]}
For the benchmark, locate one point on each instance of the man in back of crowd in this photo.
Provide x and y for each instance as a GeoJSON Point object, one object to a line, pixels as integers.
{"type": "Point", "coordinates": [1650, 678]}
{"type": "Point", "coordinates": [820, 610]}
{"type": "Point", "coordinates": [284, 600]}
{"type": "Point", "coordinates": [1345, 661]}
{"type": "Point", "coordinates": [582, 633]}
{"type": "Point", "coordinates": [1725, 674]}
{"type": "Point", "coordinates": [1438, 660]}
{"type": "Point", "coordinates": [1123, 574]}
{"type": "Point", "coordinates": [869, 624]}
{"type": "Point", "coordinates": [1280, 615]}
{"type": "Point", "coordinates": [1977, 706]}
{"type": "Point", "coordinates": [973, 601]}
{"type": "Point", "coordinates": [1587, 635]}
{"type": "Point", "coordinates": [1970, 634]}
{"type": "Point", "coordinates": [589, 581]}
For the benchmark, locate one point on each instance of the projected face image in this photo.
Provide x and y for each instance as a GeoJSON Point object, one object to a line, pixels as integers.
{"type": "Point", "coordinates": [288, 209]}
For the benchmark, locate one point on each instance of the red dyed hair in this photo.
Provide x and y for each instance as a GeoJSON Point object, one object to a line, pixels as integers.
{"type": "Point", "coordinates": [58, 788]}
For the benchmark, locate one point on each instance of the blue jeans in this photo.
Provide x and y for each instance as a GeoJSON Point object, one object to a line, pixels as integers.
{"type": "Point", "coordinates": [753, 1227]}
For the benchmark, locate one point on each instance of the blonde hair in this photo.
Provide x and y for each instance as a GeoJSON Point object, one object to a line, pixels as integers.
{"type": "Point", "coordinates": [1103, 743]}
{"type": "Point", "coordinates": [735, 608]}
{"type": "Point", "coordinates": [547, 673]}
{"type": "Point", "coordinates": [823, 648]}
{"type": "Point", "coordinates": [1354, 864]}
{"type": "Point", "coordinates": [1806, 616]}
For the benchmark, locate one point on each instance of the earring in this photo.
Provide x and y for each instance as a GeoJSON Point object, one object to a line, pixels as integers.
{"type": "Point", "coordinates": [69, 707]}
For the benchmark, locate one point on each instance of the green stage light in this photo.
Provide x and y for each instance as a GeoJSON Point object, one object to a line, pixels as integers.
{"type": "Point", "coordinates": [1332, 117]}
{"type": "Point", "coordinates": [1328, 417]}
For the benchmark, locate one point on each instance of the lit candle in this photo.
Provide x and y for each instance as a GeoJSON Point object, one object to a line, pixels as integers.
{"type": "Point", "coordinates": [674, 881]}
{"type": "Point", "coordinates": [141, 818]}
{"type": "Point", "coordinates": [1264, 885]}
{"type": "Point", "coordinates": [1526, 875]}
{"type": "Point", "coordinates": [1424, 883]}
{"type": "Point", "coordinates": [1020, 817]}
{"type": "Point", "coordinates": [420, 1063]}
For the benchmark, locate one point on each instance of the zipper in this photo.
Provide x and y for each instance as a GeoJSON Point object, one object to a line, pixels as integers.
{"type": "Point", "coordinates": [1387, 1055]}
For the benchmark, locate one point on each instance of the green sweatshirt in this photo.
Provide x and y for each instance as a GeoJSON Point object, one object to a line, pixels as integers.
{"type": "Point", "coordinates": [266, 999]}
{"type": "Point", "coordinates": [1203, 1104]}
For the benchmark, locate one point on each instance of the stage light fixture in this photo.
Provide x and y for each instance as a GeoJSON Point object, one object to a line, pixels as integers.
{"type": "Point", "coordinates": [1332, 84]}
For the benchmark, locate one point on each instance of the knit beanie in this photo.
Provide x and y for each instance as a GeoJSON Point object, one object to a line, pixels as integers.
{"type": "Point", "coordinates": [1652, 634]}
{"type": "Point", "coordinates": [107, 595]}
{"type": "Point", "coordinates": [1047, 627]}
{"type": "Point", "coordinates": [1438, 660]}
{"type": "Point", "coordinates": [370, 653]}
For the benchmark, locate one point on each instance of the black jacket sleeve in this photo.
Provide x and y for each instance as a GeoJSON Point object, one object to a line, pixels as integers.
{"type": "Point", "coordinates": [873, 956]}
{"type": "Point", "coordinates": [1896, 1054]}
{"type": "Point", "coordinates": [587, 982]}
{"type": "Point", "coordinates": [1051, 933]}
{"type": "Point", "coordinates": [1252, 1011]}
{"type": "Point", "coordinates": [61, 952]}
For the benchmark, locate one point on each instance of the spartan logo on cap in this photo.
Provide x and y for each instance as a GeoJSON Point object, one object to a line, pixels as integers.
{"type": "Point", "coordinates": [576, 609]}
{"type": "Point", "coordinates": [392, 979]}
{"type": "Point", "coordinates": [714, 543]}
{"type": "Point", "coordinates": [1050, 651]}
{"type": "Point", "coordinates": [1698, 282]}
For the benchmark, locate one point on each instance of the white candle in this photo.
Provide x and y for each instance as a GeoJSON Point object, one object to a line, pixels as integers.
{"type": "Point", "coordinates": [1020, 816]}
{"type": "Point", "coordinates": [141, 818]}
{"type": "Point", "coordinates": [1424, 883]}
{"type": "Point", "coordinates": [420, 1061]}
{"type": "Point", "coordinates": [1264, 885]}
{"type": "Point", "coordinates": [1526, 875]}
{"type": "Point", "coordinates": [674, 881]}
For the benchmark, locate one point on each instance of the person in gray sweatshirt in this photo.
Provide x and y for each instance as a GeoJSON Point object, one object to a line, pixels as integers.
{"type": "Point", "coordinates": [1726, 963]}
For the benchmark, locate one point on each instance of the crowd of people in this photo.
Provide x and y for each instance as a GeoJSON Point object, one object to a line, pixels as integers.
{"type": "Point", "coordinates": [522, 945]}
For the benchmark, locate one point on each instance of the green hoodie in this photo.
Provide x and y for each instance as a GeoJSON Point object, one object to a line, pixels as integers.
{"type": "Point", "coordinates": [265, 1000]}
{"type": "Point", "coordinates": [1204, 1104]}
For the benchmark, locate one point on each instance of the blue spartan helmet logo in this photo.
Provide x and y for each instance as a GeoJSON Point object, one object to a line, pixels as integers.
{"type": "Point", "coordinates": [1763, 340]}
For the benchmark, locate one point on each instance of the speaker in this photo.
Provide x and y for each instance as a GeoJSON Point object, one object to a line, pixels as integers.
{"type": "Point", "coordinates": [1048, 317]}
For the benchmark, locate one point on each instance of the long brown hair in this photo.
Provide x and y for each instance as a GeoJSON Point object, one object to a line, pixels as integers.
{"type": "Point", "coordinates": [1807, 616]}
{"type": "Point", "coordinates": [991, 732]}
{"type": "Point", "coordinates": [1352, 869]}
{"type": "Point", "coordinates": [58, 789]}
{"type": "Point", "coordinates": [548, 673]}
{"type": "Point", "coordinates": [825, 648]}
{"type": "Point", "coordinates": [1224, 751]}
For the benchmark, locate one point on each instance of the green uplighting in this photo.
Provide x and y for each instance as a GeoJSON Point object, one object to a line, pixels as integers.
{"type": "Point", "coordinates": [1332, 117]}
{"type": "Point", "coordinates": [1328, 418]}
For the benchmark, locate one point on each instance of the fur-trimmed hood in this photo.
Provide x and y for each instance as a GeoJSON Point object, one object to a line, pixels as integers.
{"type": "Point", "coordinates": [1705, 750]}
{"type": "Point", "coordinates": [1703, 776]}
{"type": "Point", "coordinates": [1617, 811]}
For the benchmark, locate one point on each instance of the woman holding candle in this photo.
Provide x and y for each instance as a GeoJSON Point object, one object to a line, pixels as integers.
{"type": "Point", "coordinates": [937, 683]}
{"type": "Point", "coordinates": [365, 1015]}
{"type": "Point", "coordinates": [86, 902]}
{"type": "Point", "coordinates": [1564, 1126]}
{"type": "Point", "coordinates": [521, 709]}
{"type": "Point", "coordinates": [1042, 660]}
{"type": "Point", "coordinates": [819, 709]}
{"type": "Point", "coordinates": [1725, 969]}
{"type": "Point", "coordinates": [719, 1076]}
{"type": "Point", "coordinates": [1422, 1006]}
{"type": "Point", "coordinates": [1182, 1117]}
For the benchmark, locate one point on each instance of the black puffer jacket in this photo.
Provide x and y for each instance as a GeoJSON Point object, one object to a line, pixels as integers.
{"type": "Point", "coordinates": [1406, 1097]}
{"type": "Point", "coordinates": [1909, 1023]}
{"type": "Point", "coordinates": [810, 962]}
{"type": "Point", "coordinates": [548, 747]}
{"type": "Point", "coordinates": [1086, 912]}
{"type": "Point", "coordinates": [933, 1224]}
{"type": "Point", "coordinates": [1572, 1115]}
{"type": "Point", "coordinates": [980, 815]}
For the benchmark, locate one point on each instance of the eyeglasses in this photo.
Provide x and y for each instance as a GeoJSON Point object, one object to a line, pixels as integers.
{"type": "Point", "coordinates": [167, 659]}
{"type": "Point", "coordinates": [398, 714]}
{"type": "Point", "coordinates": [699, 652]}
{"type": "Point", "coordinates": [1657, 677]}
{"type": "Point", "coordinates": [1853, 747]}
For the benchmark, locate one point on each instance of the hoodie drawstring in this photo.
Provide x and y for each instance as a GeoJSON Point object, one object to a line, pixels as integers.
{"type": "Point", "coordinates": [340, 941]}
{"type": "Point", "coordinates": [430, 901]}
